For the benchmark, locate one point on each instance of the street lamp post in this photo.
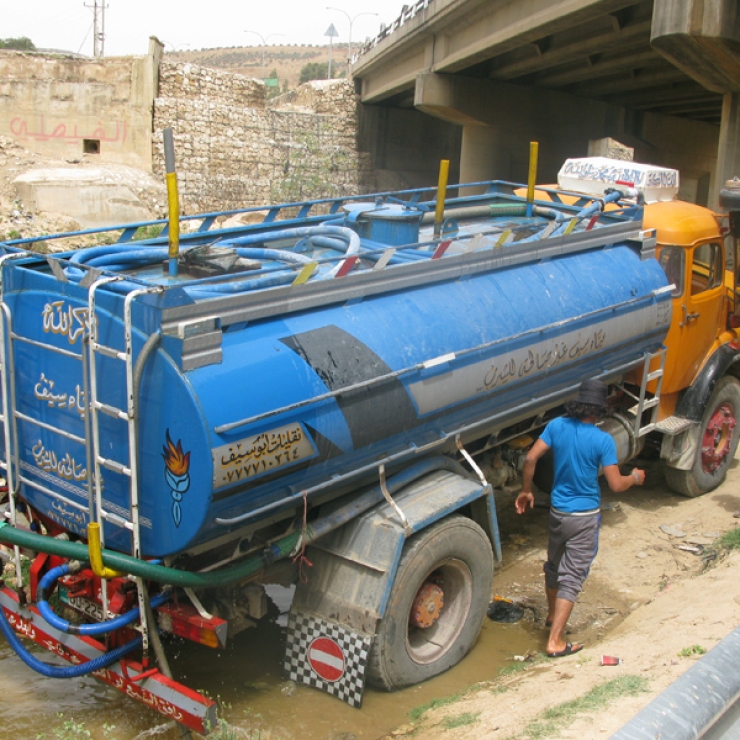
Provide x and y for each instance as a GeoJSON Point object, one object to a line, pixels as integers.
{"type": "Point", "coordinates": [351, 20]}
{"type": "Point", "coordinates": [264, 43]}
{"type": "Point", "coordinates": [177, 48]}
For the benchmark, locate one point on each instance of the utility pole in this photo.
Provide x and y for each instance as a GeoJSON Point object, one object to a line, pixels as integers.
{"type": "Point", "coordinates": [98, 27]}
{"type": "Point", "coordinates": [102, 28]}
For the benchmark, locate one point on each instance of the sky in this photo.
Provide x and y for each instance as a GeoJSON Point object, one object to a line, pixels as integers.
{"type": "Point", "coordinates": [193, 24]}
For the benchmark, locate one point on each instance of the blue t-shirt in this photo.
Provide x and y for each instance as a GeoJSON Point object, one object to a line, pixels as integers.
{"type": "Point", "coordinates": [579, 449]}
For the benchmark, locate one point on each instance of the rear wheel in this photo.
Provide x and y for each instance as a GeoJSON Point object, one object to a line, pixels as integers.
{"type": "Point", "coordinates": [437, 604]}
{"type": "Point", "coordinates": [718, 438]}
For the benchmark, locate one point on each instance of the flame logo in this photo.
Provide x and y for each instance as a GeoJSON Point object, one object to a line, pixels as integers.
{"type": "Point", "coordinates": [176, 461]}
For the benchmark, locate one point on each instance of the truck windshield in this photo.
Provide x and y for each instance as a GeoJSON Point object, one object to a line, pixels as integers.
{"type": "Point", "coordinates": [672, 261]}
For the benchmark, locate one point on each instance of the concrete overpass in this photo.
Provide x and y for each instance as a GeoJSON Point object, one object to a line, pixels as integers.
{"type": "Point", "coordinates": [475, 80]}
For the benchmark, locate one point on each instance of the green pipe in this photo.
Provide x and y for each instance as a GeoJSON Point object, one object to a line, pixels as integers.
{"type": "Point", "coordinates": [508, 209]}
{"type": "Point", "coordinates": [253, 565]}
{"type": "Point", "coordinates": [142, 569]}
{"type": "Point", "coordinates": [491, 210]}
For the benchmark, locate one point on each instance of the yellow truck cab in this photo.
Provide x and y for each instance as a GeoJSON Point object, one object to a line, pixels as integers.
{"type": "Point", "coordinates": [700, 395]}
{"type": "Point", "coordinates": [697, 399]}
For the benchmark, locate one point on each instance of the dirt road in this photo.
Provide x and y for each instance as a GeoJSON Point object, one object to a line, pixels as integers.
{"type": "Point", "coordinates": [653, 599]}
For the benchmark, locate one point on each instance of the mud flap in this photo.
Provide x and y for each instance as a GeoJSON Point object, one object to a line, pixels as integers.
{"type": "Point", "coordinates": [349, 583]}
{"type": "Point", "coordinates": [679, 451]}
{"type": "Point", "coordinates": [327, 656]}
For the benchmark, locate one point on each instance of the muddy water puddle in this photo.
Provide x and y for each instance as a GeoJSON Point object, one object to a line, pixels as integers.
{"type": "Point", "coordinates": [254, 694]}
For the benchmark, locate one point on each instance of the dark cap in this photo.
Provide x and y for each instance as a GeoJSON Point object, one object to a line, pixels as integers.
{"type": "Point", "coordinates": [593, 392]}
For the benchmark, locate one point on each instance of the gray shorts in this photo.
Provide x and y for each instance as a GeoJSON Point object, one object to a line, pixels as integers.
{"type": "Point", "coordinates": [574, 542]}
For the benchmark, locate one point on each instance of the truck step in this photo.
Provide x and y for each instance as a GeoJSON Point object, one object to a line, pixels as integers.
{"type": "Point", "coordinates": [673, 425]}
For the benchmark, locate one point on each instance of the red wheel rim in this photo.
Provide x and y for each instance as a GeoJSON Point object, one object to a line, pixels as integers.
{"type": "Point", "coordinates": [715, 444]}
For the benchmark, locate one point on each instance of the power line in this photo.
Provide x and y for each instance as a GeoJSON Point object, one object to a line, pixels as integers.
{"type": "Point", "coordinates": [99, 26]}
{"type": "Point", "coordinates": [79, 51]}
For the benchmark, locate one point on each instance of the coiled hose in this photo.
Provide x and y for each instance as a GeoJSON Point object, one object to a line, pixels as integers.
{"type": "Point", "coordinates": [122, 257]}
{"type": "Point", "coordinates": [72, 671]}
{"type": "Point", "coordinates": [99, 628]}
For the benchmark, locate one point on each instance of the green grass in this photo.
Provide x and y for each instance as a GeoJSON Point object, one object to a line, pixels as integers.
{"type": "Point", "coordinates": [147, 232]}
{"type": "Point", "coordinates": [687, 652]}
{"type": "Point", "coordinates": [722, 546]}
{"type": "Point", "coordinates": [521, 665]}
{"type": "Point", "coordinates": [68, 729]}
{"type": "Point", "coordinates": [460, 720]}
{"type": "Point", "coordinates": [549, 724]}
{"type": "Point", "coordinates": [417, 713]}
{"type": "Point", "coordinates": [729, 540]}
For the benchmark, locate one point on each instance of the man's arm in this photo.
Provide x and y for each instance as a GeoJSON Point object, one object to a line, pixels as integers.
{"type": "Point", "coordinates": [525, 499]}
{"type": "Point", "coordinates": [618, 482]}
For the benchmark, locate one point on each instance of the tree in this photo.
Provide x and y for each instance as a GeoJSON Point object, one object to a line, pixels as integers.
{"type": "Point", "coordinates": [314, 71]}
{"type": "Point", "coordinates": [22, 43]}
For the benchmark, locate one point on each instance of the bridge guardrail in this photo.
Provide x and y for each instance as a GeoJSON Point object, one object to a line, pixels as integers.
{"type": "Point", "coordinates": [407, 13]}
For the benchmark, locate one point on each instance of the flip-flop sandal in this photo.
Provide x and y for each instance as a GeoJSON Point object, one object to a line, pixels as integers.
{"type": "Point", "coordinates": [569, 649]}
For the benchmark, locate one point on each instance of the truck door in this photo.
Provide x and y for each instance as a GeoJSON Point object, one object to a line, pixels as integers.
{"type": "Point", "coordinates": [697, 311]}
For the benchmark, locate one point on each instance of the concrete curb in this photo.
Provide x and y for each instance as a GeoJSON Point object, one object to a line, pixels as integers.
{"type": "Point", "coordinates": [692, 704]}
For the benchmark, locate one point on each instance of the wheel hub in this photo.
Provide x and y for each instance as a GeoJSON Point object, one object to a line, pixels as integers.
{"type": "Point", "coordinates": [717, 437]}
{"type": "Point", "coordinates": [427, 606]}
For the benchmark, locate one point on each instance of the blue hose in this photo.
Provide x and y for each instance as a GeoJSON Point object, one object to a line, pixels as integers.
{"type": "Point", "coordinates": [239, 286]}
{"type": "Point", "coordinates": [280, 255]}
{"type": "Point", "coordinates": [99, 628]}
{"type": "Point", "coordinates": [590, 210]}
{"type": "Point", "coordinates": [410, 254]}
{"type": "Point", "coordinates": [122, 257]}
{"type": "Point", "coordinates": [73, 671]}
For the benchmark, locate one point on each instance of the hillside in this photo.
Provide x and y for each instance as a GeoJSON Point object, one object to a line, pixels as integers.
{"type": "Point", "coordinates": [287, 61]}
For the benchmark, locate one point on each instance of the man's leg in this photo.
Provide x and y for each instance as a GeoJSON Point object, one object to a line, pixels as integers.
{"type": "Point", "coordinates": [561, 612]}
{"type": "Point", "coordinates": [580, 538]}
{"type": "Point", "coordinates": [552, 594]}
{"type": "Point", "coordinates": [555, 551]}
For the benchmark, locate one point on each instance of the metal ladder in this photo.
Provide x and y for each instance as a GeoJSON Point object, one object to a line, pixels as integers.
{"type": "Point", "coordinates": [7, 417]}
{"type": "Point", "coordinates": [129, 417]}
{"type": "Point", "coordinates": [12, 463]}
{"type": "Point", "coordinates": [643, 403]}
{"type": "Point", "coordinates": [95, 509]}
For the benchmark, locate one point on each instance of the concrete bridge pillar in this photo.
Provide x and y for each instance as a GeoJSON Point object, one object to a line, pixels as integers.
{"type": "Point", "coordinates": [481, 154]}
{"type": "Point", "coordinates": [728, 162]}
{"type": "Point", "coordinates": [702, 37]}
{"type": "Point", "coordinates": [499, 120]}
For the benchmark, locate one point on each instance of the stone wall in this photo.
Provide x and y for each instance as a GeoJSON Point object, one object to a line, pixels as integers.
{"type": "Point", "coordinates": [235, 149]}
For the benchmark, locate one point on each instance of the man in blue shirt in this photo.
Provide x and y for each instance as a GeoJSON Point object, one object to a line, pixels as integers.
{"type": "Point", "coordinates": [579, 449]}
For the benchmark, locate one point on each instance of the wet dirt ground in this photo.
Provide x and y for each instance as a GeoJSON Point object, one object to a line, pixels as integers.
{"type": "Point", "coordinates": [638, 561]}
{"type": "Point", "coordinates": [248, 680]}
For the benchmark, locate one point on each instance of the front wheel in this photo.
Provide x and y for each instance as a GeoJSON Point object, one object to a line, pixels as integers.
{"type": "Point", "coordinates": [718, 437]}
{"type": "Point", "coordinates": [437, 604]}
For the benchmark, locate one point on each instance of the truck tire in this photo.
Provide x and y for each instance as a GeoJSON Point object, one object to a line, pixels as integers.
{"type": "Point", "coordinates": [718, 437]}
{"type": "Point", "coordinates": [454, 556]}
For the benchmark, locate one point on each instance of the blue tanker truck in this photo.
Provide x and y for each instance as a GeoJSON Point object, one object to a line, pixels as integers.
{"type": "Point", "coordinates": [345, 381]}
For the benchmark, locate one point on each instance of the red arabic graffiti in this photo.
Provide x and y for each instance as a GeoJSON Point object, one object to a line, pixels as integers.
{"type": "Point", "coordinates": [20, 128]}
